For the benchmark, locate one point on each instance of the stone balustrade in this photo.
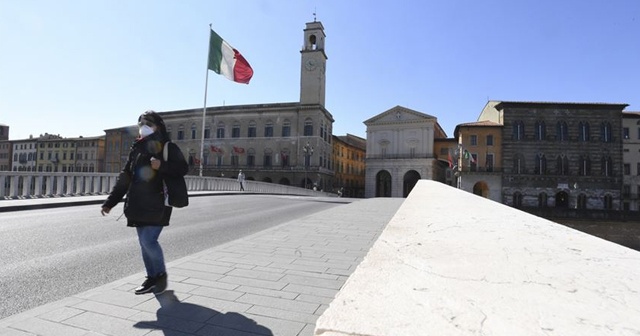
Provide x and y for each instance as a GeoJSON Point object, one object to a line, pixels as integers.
{"type": "Point", "coordinates": [17, 185]}
{"type": "Point", "coordinates": [453, 263]}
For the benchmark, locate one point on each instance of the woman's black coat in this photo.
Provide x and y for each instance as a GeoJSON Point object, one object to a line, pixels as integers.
{"type": "Point", "coordinates": [143, 186]}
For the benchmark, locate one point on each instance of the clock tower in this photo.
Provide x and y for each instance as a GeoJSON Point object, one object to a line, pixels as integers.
{"type": "Point", "coordinates": [313, 65]}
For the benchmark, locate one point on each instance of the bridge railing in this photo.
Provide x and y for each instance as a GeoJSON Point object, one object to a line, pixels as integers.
{"type": "Point", "coordinates": [453, 263]}
{"type": "Point", "coordinates": [17, 185]}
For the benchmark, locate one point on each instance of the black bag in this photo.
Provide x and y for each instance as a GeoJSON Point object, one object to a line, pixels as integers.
{"type": "Point", "coordinates": [175, 188]}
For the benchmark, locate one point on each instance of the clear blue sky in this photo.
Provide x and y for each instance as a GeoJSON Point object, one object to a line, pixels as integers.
{"type": "Point", "coordinates": [79, 67]}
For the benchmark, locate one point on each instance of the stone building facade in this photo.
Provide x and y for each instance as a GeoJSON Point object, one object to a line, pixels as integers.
{"type": "Point", "coordinates": [266, 141]}
{"type": "Point", "coordinates": [562, 155]}
{"type": "Point", "coordinates": [630, 161]}
{"type": "Point", "coordinates": [400, 144]}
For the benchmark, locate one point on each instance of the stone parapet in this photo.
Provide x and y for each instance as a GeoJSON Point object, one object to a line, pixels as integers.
{"type": "Point", "coordinates": [453, 263]}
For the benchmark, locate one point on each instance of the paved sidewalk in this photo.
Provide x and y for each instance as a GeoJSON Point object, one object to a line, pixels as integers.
{"type": "Point", "coordinates": [275, 282]}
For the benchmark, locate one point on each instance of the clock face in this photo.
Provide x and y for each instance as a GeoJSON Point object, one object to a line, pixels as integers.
{"type": "Point", "coordinates": [310, 64]}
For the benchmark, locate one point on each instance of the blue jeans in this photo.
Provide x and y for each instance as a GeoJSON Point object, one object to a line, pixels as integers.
{"type": "Point", "coordinates": [151, 250]}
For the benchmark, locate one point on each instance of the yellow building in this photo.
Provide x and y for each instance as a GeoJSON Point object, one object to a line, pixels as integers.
{"type": "Point", "coordinates": [55, 153]}
{"type": "Point", "coordinates": [348, 157]}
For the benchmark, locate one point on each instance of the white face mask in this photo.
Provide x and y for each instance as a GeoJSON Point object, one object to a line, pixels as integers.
{"type": "Point", "coordinates": [146, 131]}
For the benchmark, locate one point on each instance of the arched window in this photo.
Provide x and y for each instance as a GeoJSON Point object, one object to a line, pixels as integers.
{"type": "Point", "coordinates": [518, 130]}
{"type": "Point", "coordinates": [235, 130]}
{"type": "Point", "coordinates": [605, 132]}
{"type": "Point", "coordinates": [582, 201]}
{"type": "Point", "coordinates": [541, 130]}
{"type": "Point", "coordinates": [541, 164]}
{"type": "Point", "coordinates": [286, 128]}
{"type": "Point", "coordinates": [517, 199]}
{"type": "Point", "coordinates": [584, 165]}
{"type": "Point", "coordinates": [268, 129]}
{"type": "Point", "coordinates": [542, 200]}
{"type": "Point", "coordinates": [562, 133]}
{"type": "Point", "coordinates": [608, 202]}
{"type": "Point", "coordinates": [562, 165]}
{"type": "Point", "coordinates": [584, 131]}
{"type": "Point", "coordinates": [193, 131]}
{"type": "Point", "coordinates": [518, 164]}
{"type": "Point", "coordinates": [308, 127]}
{"type": "Point", "coordinates": [252, 130]}
{"type": "Point", "coordinates": [220, 131]}
{"type": "Point", "coordinates": [607, 166]}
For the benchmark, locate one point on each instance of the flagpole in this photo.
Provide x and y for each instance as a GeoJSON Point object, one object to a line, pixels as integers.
{"type": "Point", "coordinates": [204, 109]}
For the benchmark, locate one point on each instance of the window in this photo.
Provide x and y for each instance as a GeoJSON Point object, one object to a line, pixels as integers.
{"type": "Point", "coordinates": [638, 169]}
{"type": "Point", "coordinates": [268, 129]}
{"type": "Point", "coordinates": [473, 139]}
{"type": "Point", "coordinates": [605, 132]}
{"type": "Point", "coordinates": [562, 165]}
{"type": "Point", "coordinates": [582, 201]}
{"type": "Point", "coordinates": [251, 131]}
{"type": "Point", "coordinates": [542, 200]}
{"type": "Point", "coordinates": [606, 166]}
{"type": "Point", "coordinates": [286, 128]}
{"type": "Point", "coordinates": [220, 131]}
{"type": "Point", "coordinates": [541, 130]}
{"type": "Point", "coordinates": [308, 127]}
{"type": "Point", "coordinates": [267, 159]}
{"type": "Point", "coordinates": [517, 199]}
{"type": "Point", "coordinates": [608, 202]}
{"type": "Point", "coordinates": [562, 132]}
{"type": "Point", "coordinates": [585, 166]}
{"type": "Point", "coordinates": [626, 190]}
{"type": "Point", "coordinates": [518, 130]}
{"type": "Point", "coordinates": [251, 158]}
{"type": "Point", "coordinates": [490, 140]}
{"type": "Point", "coordinates": [518, 164]}
{"type": "Point", "coordinates": [541, 164]}
{"type": "Point", "coordinates": [235, 130]}
{"type": "Point", "coordinates": [234, 160]}
{"type": "Point", "coordinates": [489, 162]}
{"type": "Point", "coordinates": [474, 162]}
{"type": "Point", "coordinates": [584, 131]}
{"type": "Point", "coordinates": [181, 132]}
{"type": "Point", "coordinates": [625, 133]}
{"type": "Point", "coordinates": [207, 132]}
{"type": "Point", "coordinates": [193, 131]}
{"type": "Point", "coordinates": [627, 169]}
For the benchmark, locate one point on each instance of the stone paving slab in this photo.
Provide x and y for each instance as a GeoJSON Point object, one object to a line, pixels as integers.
{"type": "Point", "coordinates": [275, 282]}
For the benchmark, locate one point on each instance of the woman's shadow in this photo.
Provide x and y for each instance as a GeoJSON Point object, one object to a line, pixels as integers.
{"type": "Point", "coordinates": [177, 318]}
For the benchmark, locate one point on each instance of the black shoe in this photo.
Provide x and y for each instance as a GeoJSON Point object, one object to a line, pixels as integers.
{"type": "Point", "coordinates": [147, 286]}
{"type": "Point", "coordinates": [161, 284]}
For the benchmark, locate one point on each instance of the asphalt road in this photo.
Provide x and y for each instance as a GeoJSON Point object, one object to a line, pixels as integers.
{"type": "Point", "coordinates": [49, 254]}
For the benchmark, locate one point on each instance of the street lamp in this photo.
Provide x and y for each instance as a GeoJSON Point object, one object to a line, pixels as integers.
{"type": "Point", "coordinates": [308, 151]}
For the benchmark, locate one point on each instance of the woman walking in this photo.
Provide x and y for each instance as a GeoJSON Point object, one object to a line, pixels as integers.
{"type": "Point", "coordinates": [141, 180]}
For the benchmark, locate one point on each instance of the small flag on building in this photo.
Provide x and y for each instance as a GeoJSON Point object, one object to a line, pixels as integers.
{"type": "Point", "coordinates": [238, 150]}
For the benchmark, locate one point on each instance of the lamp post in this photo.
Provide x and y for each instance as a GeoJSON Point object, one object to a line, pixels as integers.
{"type": "Point", "coordinates": [308, 151]}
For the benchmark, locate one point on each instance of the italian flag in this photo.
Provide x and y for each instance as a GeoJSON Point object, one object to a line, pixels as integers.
{"type": "Point", "coordinates": [227, 61]}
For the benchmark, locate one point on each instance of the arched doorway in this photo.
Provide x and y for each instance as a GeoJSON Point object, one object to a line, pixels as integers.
{"type": "Point", "coordinates": [562, 199]}
{"type": "Point", "coordinates": [383, 184]}
{"type": "Point", "coordinates": [284, 181]}
{"type": "Point", "coordinates": [481, 189]}
{"type": "Point", "coordinates": [267, 179]}
{"type": "Point", "coordinates": [409, 181]}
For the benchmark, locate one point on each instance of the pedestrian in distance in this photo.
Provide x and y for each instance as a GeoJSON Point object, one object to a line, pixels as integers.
{"type": "Point", "coordinates": [241, 180]}
{"type": "Point", "coordinates": [145, 207]}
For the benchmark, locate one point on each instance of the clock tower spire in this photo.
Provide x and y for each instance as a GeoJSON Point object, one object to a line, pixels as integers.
{"type": "Point", "coordinates": [313, 64]}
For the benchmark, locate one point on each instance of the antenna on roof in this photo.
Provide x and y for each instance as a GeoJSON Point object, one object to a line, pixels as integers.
{"type": "Point", "coordinates": [314, 14]}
